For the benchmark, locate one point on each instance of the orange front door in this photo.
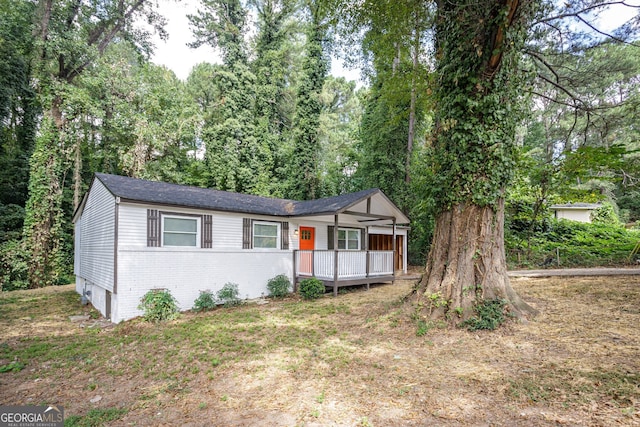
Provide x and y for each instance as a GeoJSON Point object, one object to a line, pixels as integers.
{"type": "Point", "coordinates": [307, 243]}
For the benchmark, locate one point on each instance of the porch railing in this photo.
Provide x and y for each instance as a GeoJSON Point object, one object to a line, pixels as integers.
{"type": "Point", "coordinates": [351, 264]}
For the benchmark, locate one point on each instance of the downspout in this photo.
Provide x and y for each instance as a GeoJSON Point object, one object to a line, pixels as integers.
{"type": "Point", "coordinates": [115, 247]}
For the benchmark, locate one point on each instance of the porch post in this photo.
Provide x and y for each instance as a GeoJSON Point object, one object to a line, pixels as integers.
{"type": "Point", "coordinates": [335, 255]}
{"type": "Point", "coordinates": [366, 250]}
{"type": "Point", "coordinates": [295, 275]}
{"type": "Point", "coordinates": [366, 242]}
{"type": "Point", "coordinates": [394, 250]}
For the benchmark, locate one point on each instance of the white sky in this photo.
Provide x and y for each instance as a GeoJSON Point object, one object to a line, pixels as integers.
{"type": "Point", "coordinates": [174, 53]}
{"type": "Point", "coordinates": [177, 56]}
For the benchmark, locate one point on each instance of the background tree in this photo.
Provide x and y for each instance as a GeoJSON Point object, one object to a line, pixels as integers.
{"type": "Point", "coordinates": [70, 36]}
{"type": "Point", "coordinates": [395, 46]}
{"type": "Point", "coordinates": [275, 71]}
{"type": "Point", "coordinates": [237, 159]}
{"type": "Point", "coordinates": [303, 172]}
{"type": "Point", "coordinates": [338, 135]}
{"type": "Point", "coordinates": [18, 114]}
{"type": "Point", "coordinates": [576, 142]}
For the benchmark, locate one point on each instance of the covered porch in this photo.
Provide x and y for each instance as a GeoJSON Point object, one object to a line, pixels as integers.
{"type": "Point", "coordinates": [355, 241]}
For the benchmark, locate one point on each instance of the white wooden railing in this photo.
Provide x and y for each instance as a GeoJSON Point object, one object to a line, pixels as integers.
{"type": "Point", "coordinates": [351, 264]}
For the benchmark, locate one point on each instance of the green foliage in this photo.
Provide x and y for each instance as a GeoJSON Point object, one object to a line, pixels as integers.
{"type": "Point", "coordinates": [222, 25]}
{"type": "Point", "coordinates": [605, 214]}
{"type": "Point", "coordinates": [44, 215]}
{"type": "Point", "coordinates": [228, 295]}
{"type": "Point", "coordinates": [205, 301]}
{"type": "Point", "coordinates": [158, 305]}
{"type": "Point", "coordinates": [279, 286]}
{"type": "Point", "coordinates": [303, 164]}
{"type": "Point", "coordinates": [14, 267]}
{"type": "Point", "coordinates": [423, 327]}
{"type": "Point", "coordinates": [95, 417]}
{"type": "Point", "coordinates": [18, 114]}
{"type": "Point", "coordinates": [578, 245]}
{"type": "Point", "coordinates": [311, 288]}
{"type": "Point", "coordinates": [489, 315]}
{"type": "Point", "coordinates": [382, 147]}
{"type": "Point", "coordinates": [422, 206]}
{"type": "Point", "coordinates": [478, 107]}
{"type": "Point", "coordinates": [338, 135]}
{"type": "Point", "coordinates": [14, 366]}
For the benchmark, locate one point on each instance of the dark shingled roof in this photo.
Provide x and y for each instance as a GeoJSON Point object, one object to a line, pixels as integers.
{"type": "Point", "coordinates": [140, 190]}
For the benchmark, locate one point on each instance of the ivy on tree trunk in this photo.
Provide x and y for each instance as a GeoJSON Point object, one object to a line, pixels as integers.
{"type": "Point", "coordinates": [478, 106]}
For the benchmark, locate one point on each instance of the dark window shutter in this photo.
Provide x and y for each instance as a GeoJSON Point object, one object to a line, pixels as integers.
{"type": "Point", "coordinates": [330, 237]}
{"type": "Point", "coordinates": [207, 231]}
{"type": "Point", "coordinates": [153, 228]}
{"type": "Point", "coordinates": [246, 233]}
{"type": "Point", "coordinates": [284, 236]}
{"type": "Point", "coordinates": [363, 236]}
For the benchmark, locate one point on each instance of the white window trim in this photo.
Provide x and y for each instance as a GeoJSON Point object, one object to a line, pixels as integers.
{"type": "Point", "coordinates": [278, 235]}
{"type": "Point", "coordinates": [178, 216]}
{"type": "Point", "coordinates": [346, 230]}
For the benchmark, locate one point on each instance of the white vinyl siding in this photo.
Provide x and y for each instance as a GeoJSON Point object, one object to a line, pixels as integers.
{"type": "Point", "coordinates": [132, 228]}
{"type": "Point", "coordinates": [95, 238]}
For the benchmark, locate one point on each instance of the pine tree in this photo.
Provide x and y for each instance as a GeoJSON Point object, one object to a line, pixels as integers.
{"type": "Point", "coordinates": [303, 176]}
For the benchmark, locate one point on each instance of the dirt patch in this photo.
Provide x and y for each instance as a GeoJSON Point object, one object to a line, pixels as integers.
{"type": "Point", "coordinates": [346, 361]}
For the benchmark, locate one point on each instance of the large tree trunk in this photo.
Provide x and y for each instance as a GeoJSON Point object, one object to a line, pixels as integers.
{"type": "Point", "coordinates": [478, 107]}
{"type": "Point", "coordinates": [467, 263]}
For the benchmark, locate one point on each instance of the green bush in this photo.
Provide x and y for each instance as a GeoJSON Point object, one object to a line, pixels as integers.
{"type": "Point", "coordinates": [158, 305]}
{"type": "Point", "coordinates": [606, 214]}
{"type": "Point", "coordinates": [205, 301]}
{"type": "Point", "coordinates": [577, 244]}
{"type": "Point", "coordinates": [311, 288]}
{"type": "Point", "coordinates": [279, 286]}
{"type": "Point", "coordinates": [13, 266]}
{"type": "Point", "coordinates": [229, 295]}
{"type": "Point", "coordinates": [489, 315]}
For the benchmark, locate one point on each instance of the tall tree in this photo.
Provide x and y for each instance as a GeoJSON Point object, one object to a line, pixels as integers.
{"type": "Point", "coordinates": [303, 176]}
{"type": "Point", "coordinates": [18, 113]}
{"type": "Point", "coordinates": [477, 107]}
{"type": "Point", "coordinates": [235, 157]}
{"type": "Point", "coordinates": [70, 36]}
{"type": "Point", "coordinates": [338, 133]}
{"type": "Point", "coordinates": [273, 68]}
{"type": "Point", "coordinates": [395, 46]}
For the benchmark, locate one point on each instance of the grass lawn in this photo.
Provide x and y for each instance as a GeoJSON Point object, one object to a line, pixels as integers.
{"type": "Point", "coordinates": [354, 360]}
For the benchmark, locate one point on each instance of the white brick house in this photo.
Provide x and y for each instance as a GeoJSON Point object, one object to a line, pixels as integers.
{"type": "Point", "coordinates": [134, 235]}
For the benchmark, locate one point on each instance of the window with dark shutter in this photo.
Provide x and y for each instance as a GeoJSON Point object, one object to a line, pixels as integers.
{"type": "Point", "coordinates": [153, 228]}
